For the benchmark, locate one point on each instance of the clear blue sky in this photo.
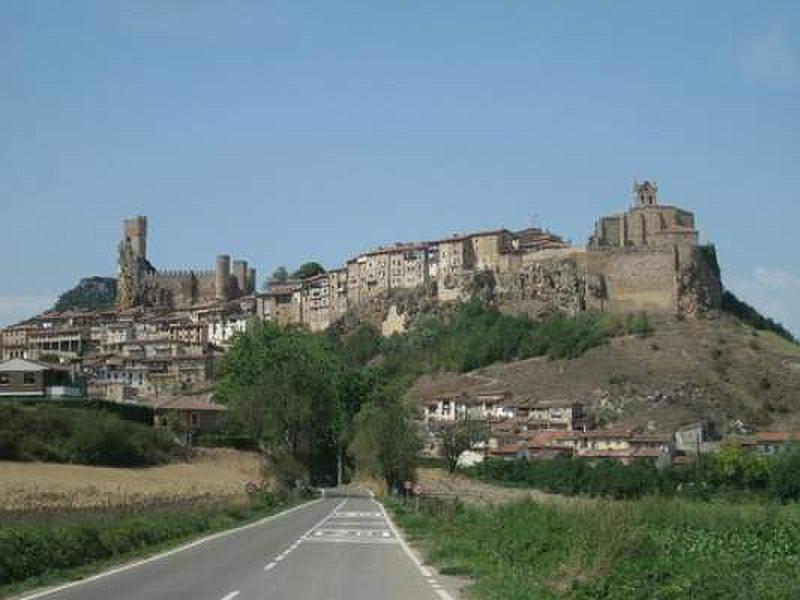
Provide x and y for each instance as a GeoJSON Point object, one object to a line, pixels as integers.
{"type": "Point", "coordinates": [288, 130]}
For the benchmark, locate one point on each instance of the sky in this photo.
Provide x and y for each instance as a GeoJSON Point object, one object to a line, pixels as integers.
{"type": "Point", "coordinates": [284, 131]}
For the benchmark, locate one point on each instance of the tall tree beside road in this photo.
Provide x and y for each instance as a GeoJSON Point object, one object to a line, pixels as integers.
{"type": "Point", "coordinates": [385, 443]}
{"type": "Point", "coordinates": [283, 384]}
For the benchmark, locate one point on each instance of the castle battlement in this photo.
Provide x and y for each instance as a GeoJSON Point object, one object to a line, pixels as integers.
{"type": "Point", "coordinates": [181, 273]}
{"type": "Point", "coordinates": [141, 284]}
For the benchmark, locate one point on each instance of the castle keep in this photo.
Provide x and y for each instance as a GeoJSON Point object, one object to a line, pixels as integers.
{"type": "Point", "coordinates": [141, 284]}
{"type": "Point", "coordinates": [646, 259]}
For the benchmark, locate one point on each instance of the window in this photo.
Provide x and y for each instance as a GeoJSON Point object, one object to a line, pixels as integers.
{"type": "Point", "coordinates": [195, 420]}
{"type": "Point", "coordinates": [4, 379]}
{"type": "Point", "coordinates": [29, 378]}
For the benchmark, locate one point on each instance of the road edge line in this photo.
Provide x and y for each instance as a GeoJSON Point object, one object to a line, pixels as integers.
{"type": "Point", "coordinates": [426, 572]}
{"type": "Point", "coordinates": [126, 567]}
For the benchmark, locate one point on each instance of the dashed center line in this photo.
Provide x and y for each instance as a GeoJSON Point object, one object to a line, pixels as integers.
{"type": "Point", "coordinates": [293, 547]}
{"type": "Point", "coordinates": [231, 596]}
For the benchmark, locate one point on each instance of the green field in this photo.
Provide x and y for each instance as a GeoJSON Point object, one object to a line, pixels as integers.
{"type": "Point", "coordinates": [653, 548]}
{"type": "Point", "coordinates": [71, 545]}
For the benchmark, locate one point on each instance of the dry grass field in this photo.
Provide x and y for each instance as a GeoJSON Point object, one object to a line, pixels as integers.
{"type": "Point", "coordinates": [212, 475]}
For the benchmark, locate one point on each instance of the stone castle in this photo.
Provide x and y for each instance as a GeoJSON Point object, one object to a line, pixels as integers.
{"type": "Point", "coordinates": [646, 259]}
{"type": "Point", "coordinates": [141, 284]}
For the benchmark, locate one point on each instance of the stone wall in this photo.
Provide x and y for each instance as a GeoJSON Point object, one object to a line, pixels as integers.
{"type": "Point", "coordinates": [572, 280]}
{"type": "Point", "coordinates": [624, 280]}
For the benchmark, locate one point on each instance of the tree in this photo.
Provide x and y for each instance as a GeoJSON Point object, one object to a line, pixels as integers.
{"type": "Point", "coordinates": [308, 269]}
{"type": "Point", "coordinates": [385, 443]}
{"type": "Point", "coordinates": [282, 383]}
{"type": "Point", "coordinates": [279, 275]}
{"type": "Point", "coordinates": [458, 437]}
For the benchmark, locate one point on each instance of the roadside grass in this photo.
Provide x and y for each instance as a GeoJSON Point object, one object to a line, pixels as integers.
{"type": "Point", "coordinates": [651, 548]}
{"type": "Point", "coordinates": [42, 554]}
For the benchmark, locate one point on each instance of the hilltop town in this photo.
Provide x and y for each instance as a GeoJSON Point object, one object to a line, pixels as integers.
{"type": "Point", "coordinates": [168, 328]}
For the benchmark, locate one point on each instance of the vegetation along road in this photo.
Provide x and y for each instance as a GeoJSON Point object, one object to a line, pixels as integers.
{"type": "Point", "coordinates": [335, 547]}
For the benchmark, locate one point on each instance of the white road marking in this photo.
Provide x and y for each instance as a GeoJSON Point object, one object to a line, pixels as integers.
{"type": "Point", "coordinates": [231, 596]}
{"type": "Point", "coordinates": [289, 550]}
{"type": "Point", "coordinates": [138, 563]}
{"type": "Point", "coordinates": [424, 570]}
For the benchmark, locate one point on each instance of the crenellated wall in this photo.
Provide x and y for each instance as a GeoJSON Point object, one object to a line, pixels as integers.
{"type": "Point", "coordinates": [140, 284]}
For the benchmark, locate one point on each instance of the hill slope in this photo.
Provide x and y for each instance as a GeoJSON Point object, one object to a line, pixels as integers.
{"type": "Point", "coordinates": [90, 294]}
{"type": "Point", "coordinates": [717, 368]}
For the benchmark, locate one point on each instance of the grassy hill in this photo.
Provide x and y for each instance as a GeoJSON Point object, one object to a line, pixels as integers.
{"type": "Point", "coordinates": [717, 368]}
{"type": "Point", "coordinates": [91, 293]}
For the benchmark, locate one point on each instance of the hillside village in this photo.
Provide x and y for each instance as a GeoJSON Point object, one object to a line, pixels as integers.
{"type": "Point", "coordinates": [161, 344]}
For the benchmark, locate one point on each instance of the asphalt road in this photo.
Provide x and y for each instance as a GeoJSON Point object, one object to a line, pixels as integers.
{"type": "Point", "coordinates": [330, 549]}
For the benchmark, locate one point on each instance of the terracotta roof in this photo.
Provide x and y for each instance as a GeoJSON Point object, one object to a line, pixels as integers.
{"type": "Point", "coordinates": [508, 449]}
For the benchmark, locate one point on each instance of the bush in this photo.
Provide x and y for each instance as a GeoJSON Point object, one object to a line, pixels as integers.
{"type": "Point", "coordinates": [732, 469]}
{"type": "Point", "coordinates": [473, 335]}
{"type": "Point", "coordinates": [746, 313]}
{"type": "Point", "coordinates": [572, 476]}
{"type": "Point", "coordinates": [92, 437]}
{"type": "Point", "coordinates": [784, 479]}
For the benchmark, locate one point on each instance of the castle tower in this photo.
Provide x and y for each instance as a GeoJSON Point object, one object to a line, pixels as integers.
{"type": "Point", "coordinates": [132, 261]}
{"type": "Point", "coordinates": [644, 194]}
{"type": "Point", "coordinates": [222, 276]}
{"type": "Point", "coordinates": [240, 273]}
{"type": "Point", "coordinates": [135, 231]}
{"type": "Point", "coordinates": [251, 281]}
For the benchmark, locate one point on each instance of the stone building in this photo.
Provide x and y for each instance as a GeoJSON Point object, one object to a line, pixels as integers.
{"type": "Point", "coordinates": [649, 258]}
{"type": "Point", "coordinates": [645, 259]}
{"type": "Point", "coordinates": [139, 283]}
{"type": "Point", "coordinates": [647, 224]}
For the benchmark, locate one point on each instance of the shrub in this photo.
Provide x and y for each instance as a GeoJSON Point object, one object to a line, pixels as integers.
{"type": "Point", "coordinates": [92, 437]}
{"type": "Point", "coordinates": [784, 479]}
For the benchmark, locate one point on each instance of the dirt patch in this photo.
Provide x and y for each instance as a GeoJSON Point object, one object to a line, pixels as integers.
{"type": "Point", "coordinates": [212, 474]}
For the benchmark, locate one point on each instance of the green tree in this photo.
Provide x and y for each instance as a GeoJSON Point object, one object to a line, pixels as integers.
{"type": "Point", "coordinates": [308, 269]}
{"type": "Point", "coordinates": [385, 443]}
{"type": "Point", "coordinates": [279, 275]}
{"type": "Point", "coordinates": [458, 437]}
{"type": "Point", "coordinates": [735, 467]}
{"type": "Point", "coordinates": [283, 384]}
